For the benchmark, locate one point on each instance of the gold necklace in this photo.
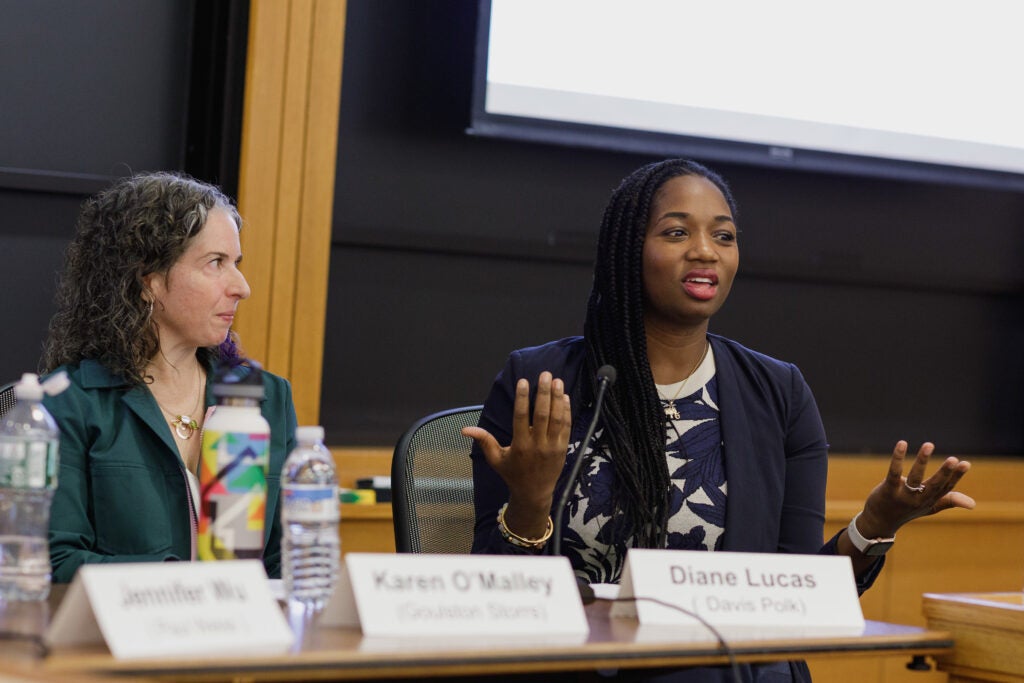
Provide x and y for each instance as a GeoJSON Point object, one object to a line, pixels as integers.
{"type": "Point", "coordinates": [670, 406]}
{"type": "Point", "coordinates": [184, 425]}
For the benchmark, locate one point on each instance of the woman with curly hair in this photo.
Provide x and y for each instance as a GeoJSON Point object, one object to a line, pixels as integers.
{"type": "Point", "coordinates": [145, 305]}
{"type": "Point", "coordinates": [702, 444]}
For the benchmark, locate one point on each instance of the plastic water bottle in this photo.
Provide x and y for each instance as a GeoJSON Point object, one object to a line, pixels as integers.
{"type": "Point", "coordinates": [29, 441]}
{"type": "Point", "coordinates": [309, 520]}
{"type": "Point", "coordinates": [233, 469]}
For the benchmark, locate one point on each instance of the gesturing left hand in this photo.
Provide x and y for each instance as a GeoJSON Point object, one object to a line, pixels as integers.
{"type": "Point", "coordinates": [898, 499]}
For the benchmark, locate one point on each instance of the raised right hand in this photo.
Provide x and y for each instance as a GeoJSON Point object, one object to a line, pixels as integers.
{"type": "Point", "coordinates": [530, 465]}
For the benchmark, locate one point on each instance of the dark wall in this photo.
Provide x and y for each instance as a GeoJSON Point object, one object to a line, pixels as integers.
{"type": "Point", "coordinates": [901, 302]}
{"type": "Point", "coordinates": [91, 91]}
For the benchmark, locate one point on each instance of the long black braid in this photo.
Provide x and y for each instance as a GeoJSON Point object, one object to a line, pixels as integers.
{"type": "Point", "coordinates": [632, 416]}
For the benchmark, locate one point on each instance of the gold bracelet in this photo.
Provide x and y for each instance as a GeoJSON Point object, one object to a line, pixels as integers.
{"type": "Point", "coordinates": [515, 539]}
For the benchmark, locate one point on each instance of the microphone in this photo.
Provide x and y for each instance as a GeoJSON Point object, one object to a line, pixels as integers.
{"type": "Point", "coordinates": [605, 379]}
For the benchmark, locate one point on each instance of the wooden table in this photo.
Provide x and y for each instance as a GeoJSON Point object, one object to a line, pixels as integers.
{"type": "Point", "coordinates": [989, 632]}
{"type": "Point", "coordinates": [344, 654]}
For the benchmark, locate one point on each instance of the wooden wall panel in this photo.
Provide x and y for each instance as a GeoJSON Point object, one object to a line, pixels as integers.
{"type": "Point", "coordinates": [286, 186]}
{"type": "Point", "coordinates": [258, 164]}
{"type": "Point", "coordinates": [317, 210]}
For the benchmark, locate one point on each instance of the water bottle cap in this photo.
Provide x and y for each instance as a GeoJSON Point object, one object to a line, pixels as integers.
{"type": "Point", "coordinates": [29, 388]}
{"type": "Point", "coordinates": [238, 391]}
{"type": "Point", "coordinates": [240, 380]}
{"type": "Point", "coordinates": [308, 433]}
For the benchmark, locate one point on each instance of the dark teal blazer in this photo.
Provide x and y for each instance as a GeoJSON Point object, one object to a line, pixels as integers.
{"type": "Point", "coordinates": [121, 493]}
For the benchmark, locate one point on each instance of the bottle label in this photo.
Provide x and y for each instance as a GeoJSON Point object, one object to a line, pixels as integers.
{"type": "Point", "coordinates": [233, 494]}
{"type": "Point", "coordinates": [28, 464]}
{"type": "Point", "coordinates": [309, 503]}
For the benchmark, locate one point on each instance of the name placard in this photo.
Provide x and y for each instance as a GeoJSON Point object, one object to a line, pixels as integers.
{"type": "Point", "coordinates": [746, 590]}
{"type": "Point", "coordinates": [340, 610]}
{"type": "Point", "coordinates": [172, 608]}
{"type": "Point", "coordinates": [435, 595]}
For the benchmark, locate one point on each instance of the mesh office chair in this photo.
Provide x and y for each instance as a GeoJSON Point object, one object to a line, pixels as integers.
{"type": "Point", "coordinates": [7, 398]}
{"type": "Point", "coordinates": [432, 484]}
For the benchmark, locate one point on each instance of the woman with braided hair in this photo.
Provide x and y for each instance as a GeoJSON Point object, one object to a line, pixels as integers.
{"type": "Point", "coordinates": [701, 444]}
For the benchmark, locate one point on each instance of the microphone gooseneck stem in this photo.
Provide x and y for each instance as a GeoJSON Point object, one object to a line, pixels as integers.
{"type": "Point", "coordinates": [605, 378]}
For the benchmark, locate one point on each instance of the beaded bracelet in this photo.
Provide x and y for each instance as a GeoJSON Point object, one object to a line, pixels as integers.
{"type": "Point", "coordinates": [515, 539]}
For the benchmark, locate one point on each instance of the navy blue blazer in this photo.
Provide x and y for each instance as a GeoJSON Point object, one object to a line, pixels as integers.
{"type": "Point", "coordinates": [776, 455]}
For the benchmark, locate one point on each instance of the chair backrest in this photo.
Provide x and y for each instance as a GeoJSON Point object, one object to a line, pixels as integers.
{"type": "Point", "coordinates": [7, 398]}
{"type": "Point", "coordinates": [432, 484]}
